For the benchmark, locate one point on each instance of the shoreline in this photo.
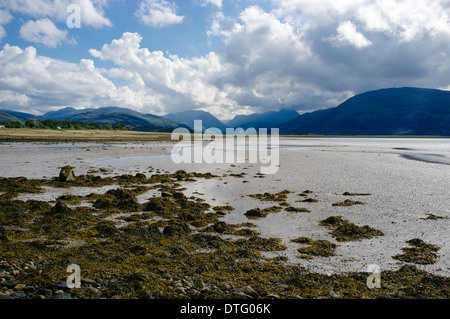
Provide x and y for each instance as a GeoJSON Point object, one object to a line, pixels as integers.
{"type": "Point", "coordinates": [217, 250]}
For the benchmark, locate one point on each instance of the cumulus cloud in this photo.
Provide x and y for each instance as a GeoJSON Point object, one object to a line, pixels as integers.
{"type": "Point", "coordinates": [33, 82]}
{"type": "Point", "coordinates": [92, 13]}
{"type": "Point", "coordinates": [43, 31]}
{"type": "Point", "coordinates": [158, 13]}
{"type": "Point", "coordinates": [5, 17]}
{"type": "Point", "coordinates": [174, 83]}
{"type": "Point", "coordinates": [303, 55]}
{"type": "Point", "coordinates": [348, 34]}
{"type": "Point", "coordinates": [217, 3]}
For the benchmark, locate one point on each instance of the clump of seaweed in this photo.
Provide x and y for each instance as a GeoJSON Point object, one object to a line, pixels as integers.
{"type": "Point", "coordinates": [343, 230]}
{"type": "Point", "coordinates": [320, 248]}
{"type": "Point", "coordinates": [258, 212]}
{"type": "Point", "coordinates": [309, 200]}
{"type": "Point", "coordinates": [261, 243]}
{"type": "Point", "coordinates": [420, 252]}
{"type": "Point", "coordinates": [355, 194]}
{"type": "Point", "coordinates": [348, 202]}
{"type": "Point", "coordinates": [277, 197]}
{"type": "Point", "coordinates": [297, 209]}
{"type": "Point", "coordinates": [433, 217]}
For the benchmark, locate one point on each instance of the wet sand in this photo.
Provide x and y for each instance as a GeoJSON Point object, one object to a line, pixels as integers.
{"type": "Point", "coordinates": [404, 189]}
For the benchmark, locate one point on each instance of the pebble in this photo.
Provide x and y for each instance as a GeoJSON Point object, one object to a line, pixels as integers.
{"type": "Point", "coordinates": [250, 291]}
{"type": "Point", "coordinates": [19, 287]}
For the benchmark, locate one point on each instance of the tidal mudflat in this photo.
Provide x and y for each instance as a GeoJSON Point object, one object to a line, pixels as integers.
{"type": "Point", "coordinates": [139, 225]}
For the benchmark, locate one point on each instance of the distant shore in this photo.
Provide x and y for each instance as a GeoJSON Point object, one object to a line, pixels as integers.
{"type": "Point", "coordinates": [37, 135]}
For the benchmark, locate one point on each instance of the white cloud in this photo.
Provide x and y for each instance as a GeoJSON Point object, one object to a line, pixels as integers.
{"type": "Point", "coordinates": [402, 19]}
{"type": "Point", "coordinates": [43, 31]}
{"type": "Point", "coordinates": [158, 13]}
{"type": "Point", "coordinates": [217, 3]}
{"type": "Point", "coordinates": [5, 17]}
{"type": "Point", "coordinates": [348, 34]}
{"type": "Point", "coordinates": [30, 81]}
{"type": "Point", "coordinates": [266, 60]}
{"type": "Point", "coordinates": [92, 13]}
{"type": "Point", "coordinates": [174, 83]}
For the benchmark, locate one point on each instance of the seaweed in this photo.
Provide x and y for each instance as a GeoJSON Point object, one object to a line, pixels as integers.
{"type": "Point", "coordinates": [420, 252]}
{"type": "Point", "coordinates": [316, 248]}
{"type": "Point", "coordinates": [348, 202]}
{"type": "Point", "coordinates": [343, 230]}
{"type": "Point", "coordinates": [160, 254]}
{"type": "Point", "coordinates": [297, 209]}
{"type": "Point", "coordinates": [258, 212]}
{"type": "Point", "coordinates": [277, 197]}
{"type": "Point", "coordinates": [355, 194]}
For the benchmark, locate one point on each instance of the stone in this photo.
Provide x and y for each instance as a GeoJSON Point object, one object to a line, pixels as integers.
{"type": "Point", "coordinates": [19, 295]}
{"type": "Point", "coordinates": [250, 291]}
{"type": "Point", "coordinates": [66, 174]}
{"type": "Point", "coordinates": [62, 295]}
{"type": "Point", "coordinates": [19, 287]}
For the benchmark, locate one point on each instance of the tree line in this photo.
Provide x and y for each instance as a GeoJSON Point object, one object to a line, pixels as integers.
{"type": "Point", "coordinates": [65, 125]}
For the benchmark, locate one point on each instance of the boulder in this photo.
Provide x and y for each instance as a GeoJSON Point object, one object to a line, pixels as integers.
{"type": "Point", "coordinates": [66, 174]}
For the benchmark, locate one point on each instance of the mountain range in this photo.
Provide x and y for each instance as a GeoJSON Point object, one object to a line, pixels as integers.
{"type": "Point", "coordinates": [392, 111]}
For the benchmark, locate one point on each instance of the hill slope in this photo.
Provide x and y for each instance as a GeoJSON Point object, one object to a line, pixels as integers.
{"type": "Point", "coordinates": [395, 111]}
{"type": "Point", "coordinates": [114, 115]}
{"type": "Point", "coordinates": [263, 120]}
{"type": "Point", "coordinates": [188, 118]}
{"type": "Point", "coordinates": [6, 117]}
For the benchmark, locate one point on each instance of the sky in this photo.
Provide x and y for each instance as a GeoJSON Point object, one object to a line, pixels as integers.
{"type": "Point", "coordinates": [227, 57]}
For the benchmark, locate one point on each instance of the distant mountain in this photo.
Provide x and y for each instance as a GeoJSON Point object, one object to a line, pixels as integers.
{"type": "Point", "coordinates": [21, 116]}
{"type": "Point", "coordinates": [263, 120]}
{"type": "Point", "coordinates": [6, 117]}
{"type": "Point", "coordinates": [115, 115]}
{"type": "Point", "coordinates": [188, 118]}
{"type": "Point", "coordinates": [394, 111]}
{"type": "Point", "coordinates": [62, 114]}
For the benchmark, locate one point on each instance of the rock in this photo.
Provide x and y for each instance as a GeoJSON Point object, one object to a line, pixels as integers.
{"type": "Point", "coordinates": [7, 285]}
{"type": "Point", "coordinates": [333, 295]}
{"type": "Point", "coordinates": [273, 296]}
{"type": "Point", "coordinates": [250, 291]}
{"type": "Point", "coordinates": [29, 290]}
{"type": "Point", "coordinates": [62, 295]}
{"type": "Point", "coordinates": [19, 287]}
{"type": "Point", "coordinates": [66, 174]}
{"type": "Point", "coordinates": [44, 292]}
{"type": "Point", "coordinates": [19, 295]}
{"type": "Point", "coordinates": [59, 286]}
{"type": "Point", "coordinates": [226, 286]}
{"type": "Point", "coordinates": [240, 295]}
{"type": "Point", "coordinates": [89, 282]}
